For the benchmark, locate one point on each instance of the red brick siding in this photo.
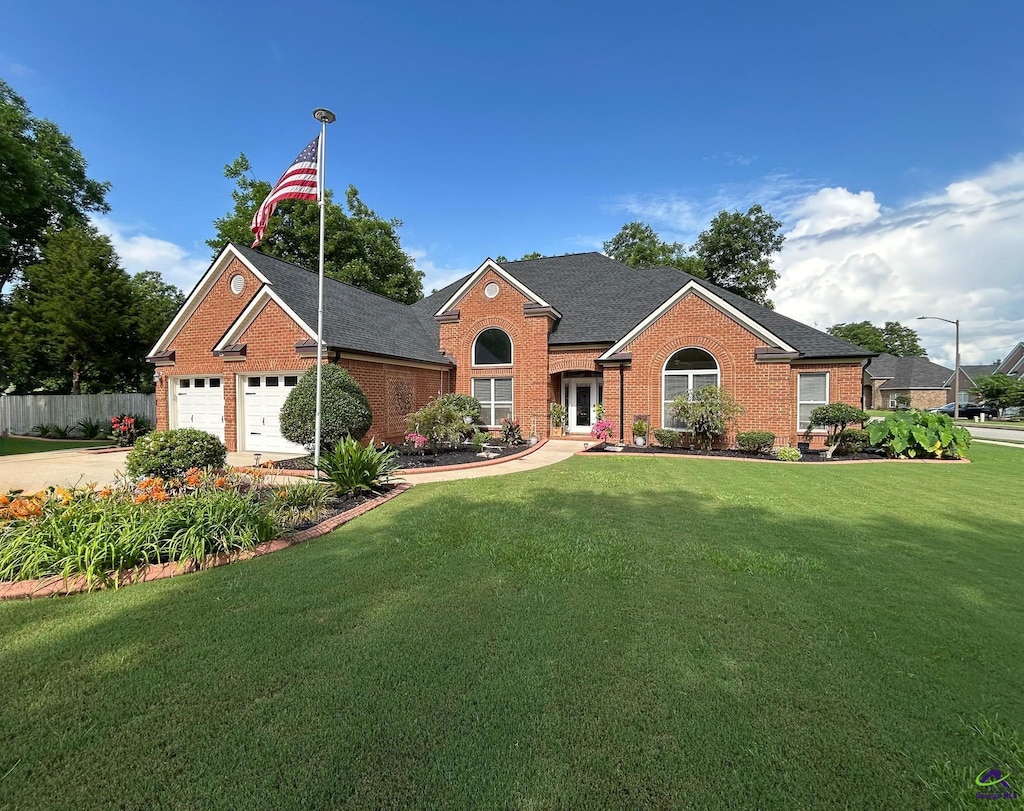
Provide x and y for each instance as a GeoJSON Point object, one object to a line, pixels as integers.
{"type": "Point", "coordinates": [531, 383]}
{"type": "Point", "coordinates": [270, 347]}
{"type": "Point", "coordinates": [767, 391]}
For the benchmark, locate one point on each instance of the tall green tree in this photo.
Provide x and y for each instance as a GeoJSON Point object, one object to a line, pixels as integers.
{"type": "Point", "coordinates": [71, 324]}
{"type": "Point", "coordinates": [893, 337]}
{"type": "Point", "coordinates": [360, 247]}
{"type": "Point", "coordinates": [531, 255]}
{"type": "Point", "coordinates": [736, 252]}
{"type": "Point", "coordinates": [154, 305]}
{"type": "Point", "coordinates": [637, 245]}
{"type": "Point", "coordinates": [999, 390]}
{"type": "Point", "coordinates": [43, 184]}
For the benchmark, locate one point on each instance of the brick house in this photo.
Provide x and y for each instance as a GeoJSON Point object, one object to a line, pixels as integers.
{"type": "Point", "coordinates": [924, 383]}
{"type": "Point", "coordinates": [581, 329]}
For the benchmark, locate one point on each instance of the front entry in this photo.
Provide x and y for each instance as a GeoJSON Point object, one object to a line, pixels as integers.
{"type": "Point", "coordinates": [582, 395]}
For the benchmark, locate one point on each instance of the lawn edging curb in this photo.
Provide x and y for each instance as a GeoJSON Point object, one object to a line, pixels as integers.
{"type": "Point", "coordinates": [58, 586]}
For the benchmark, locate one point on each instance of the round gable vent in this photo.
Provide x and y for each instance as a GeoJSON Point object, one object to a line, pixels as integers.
{"type": "Point", "coordinates": [491, 290]}
{"type": "Point", "coordinates": [237, 284]}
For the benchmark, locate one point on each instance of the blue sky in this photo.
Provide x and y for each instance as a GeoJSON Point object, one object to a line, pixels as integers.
{"type": "Point", "coordinates": [887, 136]}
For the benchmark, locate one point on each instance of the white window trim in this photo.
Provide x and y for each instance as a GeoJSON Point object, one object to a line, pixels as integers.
{"type": "Point", "coordinates": [510, 403]}
{"type": "Point", "coordinates": [892, 401]}
{"type": "Point", "coordinates": [512, 349]}
{"type": "Point", "coordinates": [717, 372]}
{"type": "Point", "coordinates": [799, 402]}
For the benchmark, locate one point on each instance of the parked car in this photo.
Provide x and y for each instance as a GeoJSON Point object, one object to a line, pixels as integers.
{"type": "Point", "coordinates": [968, 411]}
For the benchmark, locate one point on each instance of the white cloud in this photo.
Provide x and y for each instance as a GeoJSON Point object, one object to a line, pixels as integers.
{"type": "Point", "coordinates": [139, 251]}
{"type": "Point", "coordinates": [957, 254]}
{"type": "Point", "coordinates": [434, 278]}
{"type": "Point", "coordinates": [833, 209]}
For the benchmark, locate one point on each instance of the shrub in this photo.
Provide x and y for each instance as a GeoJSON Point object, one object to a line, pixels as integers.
{"type": "Point", "coordinates": [558, 415]}
{"type": "Point", "coordinates": [171, 453]}
{"type": "Point", "coordinates": [853, 440]}
{"type": "Point", "coordinates": [123, 430]}
{"type": "Point", "coordinates": [603, 430]}
{"type": "Point", "coordinates": [919, 434]}
{"type": "Point", "coordinates": [835, 417]}
{"type": "Point", "coordinates": [60, 431]}
{"type": "Point", "coordinates": [345, 411]}
{"type": "Point", "coordinates": [667, 437]}
{"type": "Point", "coordinates": [440, 422]}
{"type": "Point", "coordinates": [480, 438]}
{"type": "Point", "coordinates": [465, 406]}
{"type": "Point", "coordinates": [511, 433]}
{"type": "Point", "coordinates": [755, 441]}
{"type": "Point", "coordinates": [707, 413]}
{"type": "Point", "coordinates": [787, 454]}
{"type": "Point", "coordinates": [640, 428]}
{"type": "Point", "coordinates": [91, 429]}
{"type": "Point", "coordinates": [355, 468]}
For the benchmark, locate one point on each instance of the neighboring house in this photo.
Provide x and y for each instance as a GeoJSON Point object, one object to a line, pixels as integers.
{"type": "Point", "coordinates": [925, 384]}
{"type": "Point", "coordinates": [581, 329]}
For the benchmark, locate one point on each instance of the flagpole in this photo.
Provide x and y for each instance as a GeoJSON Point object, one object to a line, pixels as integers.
{"type": "Point", "coordinates": [325, 117]}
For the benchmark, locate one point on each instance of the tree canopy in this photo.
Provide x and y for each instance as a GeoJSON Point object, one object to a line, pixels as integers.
{"type": "Point", "coordinates": [999, 390]}
{"type": "Point", "coordinates": [360, 247]}
{"type": "Point", "coordinates": [735, 252]}
{"type": "Point", "coordinates": [43, 184]}
{"type": "Point", "coordinates": [893, 338]}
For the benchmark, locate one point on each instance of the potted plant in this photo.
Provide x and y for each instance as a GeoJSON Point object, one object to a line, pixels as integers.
{"type": "Point", "coordinates": [558, 417]}
{"type": "Point", "coordinates": [640, 432]}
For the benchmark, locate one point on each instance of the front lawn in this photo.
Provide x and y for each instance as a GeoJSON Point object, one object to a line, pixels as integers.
{"type": "Point", "coordinates": [11, 445]}
{"type": "Point", "coordinates": [608, 632]}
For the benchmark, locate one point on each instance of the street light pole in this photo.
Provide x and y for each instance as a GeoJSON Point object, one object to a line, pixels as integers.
{"type": "Point", "coordinates": [956, 370]}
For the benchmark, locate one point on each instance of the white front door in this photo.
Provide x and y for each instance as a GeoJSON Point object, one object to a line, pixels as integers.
{"type": "Point", "coordinates": [199, 403]}
{"type": "Point", "coordinates": [582, 399]}
{"type": "Point", "coordinates": [263, 396]}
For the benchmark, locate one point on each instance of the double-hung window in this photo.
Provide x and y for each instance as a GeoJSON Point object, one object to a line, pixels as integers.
{"type": "Point", "coordinates": [812, 391]}
{"type": "Point", "coordinates": [684, 373]}
{"type": "Point", "coordinates": [495, 397]}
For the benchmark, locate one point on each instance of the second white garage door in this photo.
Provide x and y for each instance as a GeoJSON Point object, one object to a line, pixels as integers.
{"type": "Point", "coordinates": [263, 396]}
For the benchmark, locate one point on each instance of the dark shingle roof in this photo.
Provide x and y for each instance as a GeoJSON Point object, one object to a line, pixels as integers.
{"type": "Point", "coordinates": [354, 319]}
{"type": "Point", "coordinates": [978, 371]}
{"type": "Point", "coordinates": [908, 373]}
{"type": "Point", "coordinates": [601, 300]}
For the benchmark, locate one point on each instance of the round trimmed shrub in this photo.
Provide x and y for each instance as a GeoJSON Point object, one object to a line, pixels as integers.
{"type": "Point", "coordinates": [171, 453]}
{"type": "Point", "coordinates": [345, 411]}
{"type": "Point", "coordinates": [755, 441]}
{"type": "Point", "coordinates": [853, 440]}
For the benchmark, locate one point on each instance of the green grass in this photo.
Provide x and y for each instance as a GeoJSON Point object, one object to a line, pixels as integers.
{"type": "Point", "coordinates": [11, 445]}
{"type": "Point", "coordinates": [605, 633]}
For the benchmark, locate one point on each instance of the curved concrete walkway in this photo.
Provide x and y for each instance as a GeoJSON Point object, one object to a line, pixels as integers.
{"type": "Point", "coordinates": [35, 471]}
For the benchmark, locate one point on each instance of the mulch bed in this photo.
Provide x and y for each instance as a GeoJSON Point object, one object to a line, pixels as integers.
{"type": "Point", "coordinates": [406, 461]}
{"type": "Point", "coordinates": [337, 506]}
{"type": "Point", "coordinates": [810, 456]}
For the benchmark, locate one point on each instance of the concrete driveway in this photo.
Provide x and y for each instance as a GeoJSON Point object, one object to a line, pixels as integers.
{"type": "Point", "coordinates": [35, 471]}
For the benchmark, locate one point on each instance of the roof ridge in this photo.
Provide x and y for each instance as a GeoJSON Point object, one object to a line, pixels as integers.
{"type": "Point", "coordinates": [326, 277]}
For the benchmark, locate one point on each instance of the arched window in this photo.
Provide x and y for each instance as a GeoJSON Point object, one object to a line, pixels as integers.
{"type": "Point", "coordinates": [685, 372]}
{"type": "Point", "coordinates": [492, 347]}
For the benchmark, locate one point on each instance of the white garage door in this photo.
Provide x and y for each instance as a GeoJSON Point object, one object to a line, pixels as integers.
{"type": "Point", "coordinates": [261, 413]}
{"type": "Point", "coordinates": [200, 404]}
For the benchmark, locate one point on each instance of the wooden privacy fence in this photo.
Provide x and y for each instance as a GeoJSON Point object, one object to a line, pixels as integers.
{"type": "Point", "coordinates": [18, 414]}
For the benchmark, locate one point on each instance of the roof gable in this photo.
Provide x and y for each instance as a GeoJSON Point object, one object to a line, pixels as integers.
{"type": "Point", "coordinates": [488, 265]}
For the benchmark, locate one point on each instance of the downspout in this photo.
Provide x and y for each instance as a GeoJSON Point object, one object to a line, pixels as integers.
{"type": "Point", "coordinates": [622, 404]}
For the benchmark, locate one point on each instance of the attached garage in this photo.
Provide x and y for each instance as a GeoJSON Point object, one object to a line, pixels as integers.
{"type": "Point", "coordinates": [199, 404]}
{"type": "Point", "coordinates": [262, 397]}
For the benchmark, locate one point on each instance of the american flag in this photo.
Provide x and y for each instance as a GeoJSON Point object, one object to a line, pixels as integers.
{"type": "Point", "coordinates": [299, 182]}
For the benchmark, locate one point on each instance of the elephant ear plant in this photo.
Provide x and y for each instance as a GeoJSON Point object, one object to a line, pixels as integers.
{"type": "Point", "coordinates": [920, 435]}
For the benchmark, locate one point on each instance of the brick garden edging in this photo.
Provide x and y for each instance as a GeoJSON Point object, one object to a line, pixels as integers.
{"type": "Point", "coordinates": [52, 586]}
{"type": "Point", "coordinates": [829, 463]}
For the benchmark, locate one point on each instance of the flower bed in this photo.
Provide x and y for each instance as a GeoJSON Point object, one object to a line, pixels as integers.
{"type": "Point", "coordinates": [412, 459]}
{"type": "Point", "coordinates": [96, 533]}
{"type": "Point", "coordinates": [809, 456]}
